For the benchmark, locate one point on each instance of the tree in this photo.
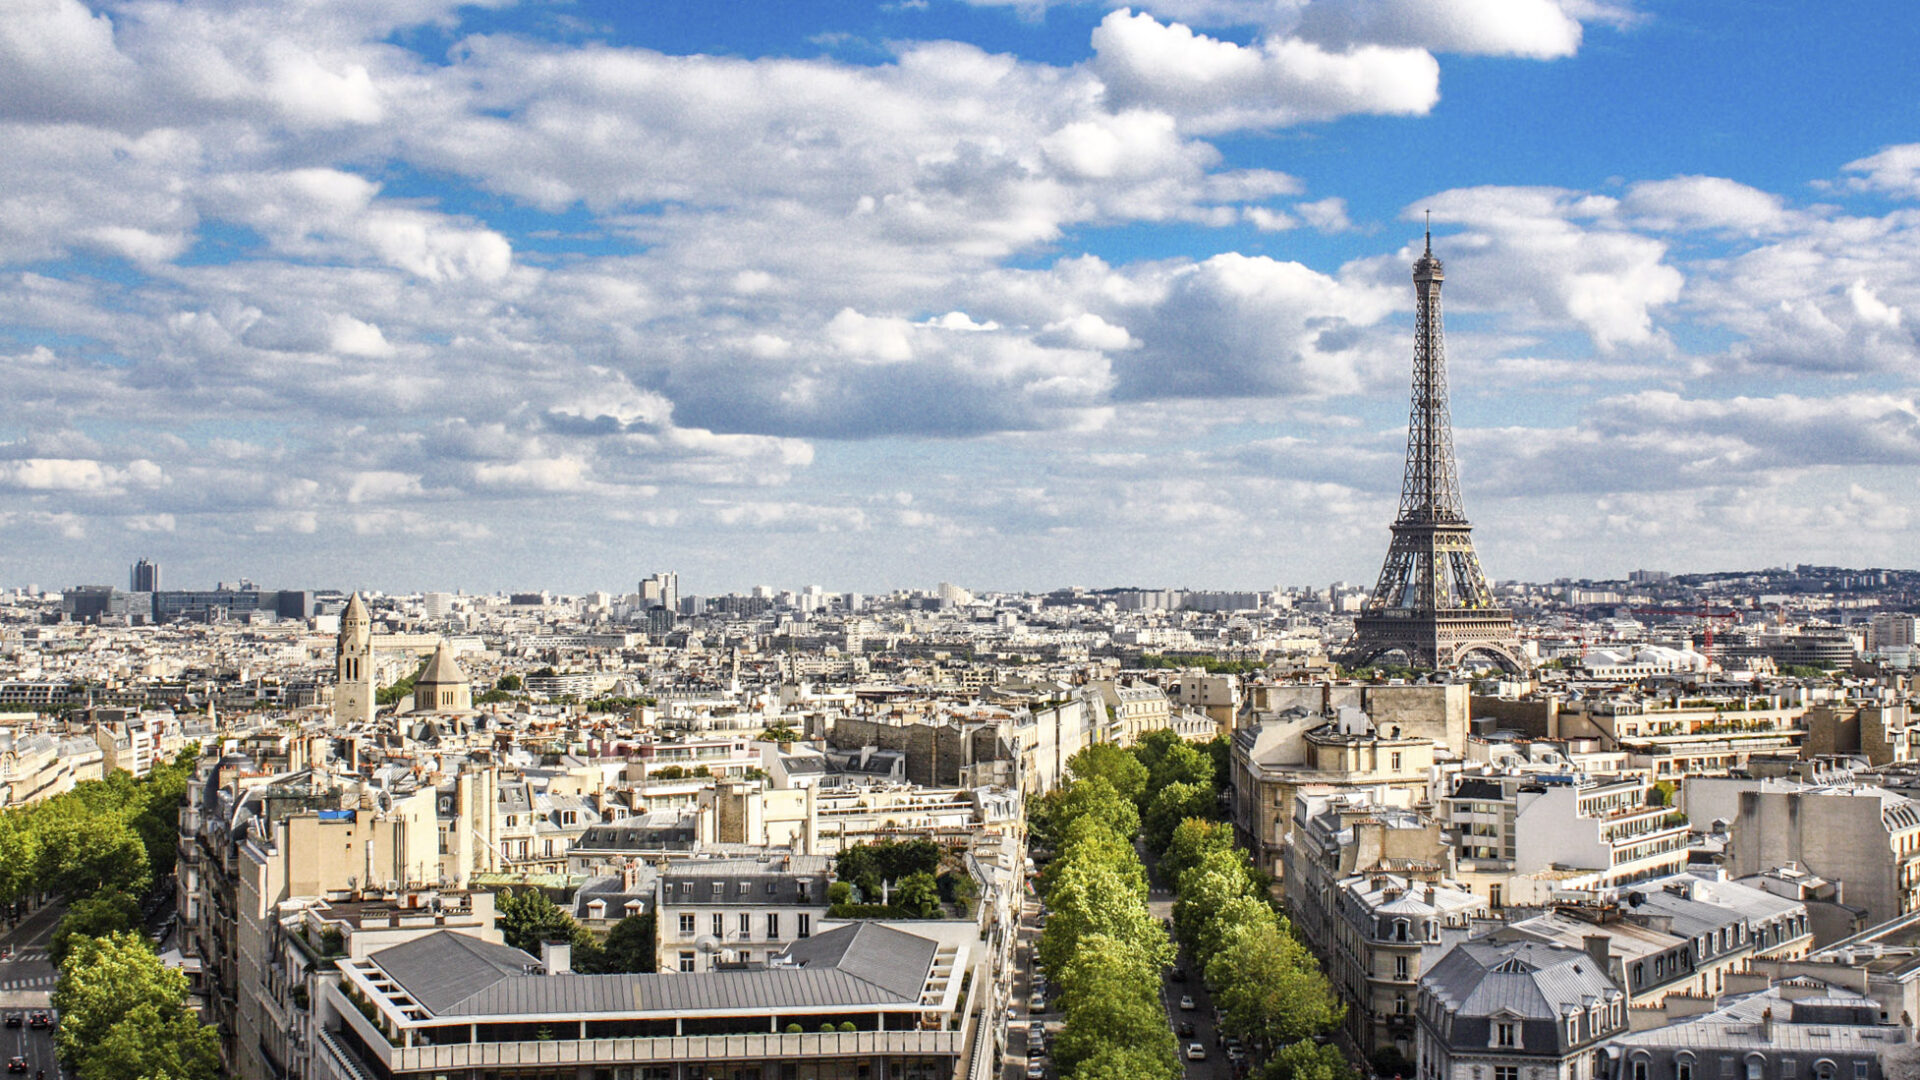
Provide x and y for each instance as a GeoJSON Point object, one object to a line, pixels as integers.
{"type": "Point", "coordinates": [1172, 805]}
{"type": "Point", "coordinates": [1191, 839]}
{"type": "Point", "coordinates": [508, 684]}
{"type": "Point", "coordinates": [630, 945]}
{"type": "Point", "coordinates": [1308, 1060]}
{"type": "Point", "coordinates": [1182, 764]}
{"type": "Point", "coordinates": [1115, 1062]}
{"type": "Point", "coordinates": [1116, 766]}
{"type": "Point", "coordinates": [781, 732]}
{"type": "Point", "coordinates": [918, 895]}
{"type": "Point", "coordinates": [123, 1013]}
{"type": "Point", "coordinates": [106, 912]}
{"type": "Point", "coordinates": [1270, 989]}
{"type": "Point", "coordinates": [1109, 994]}
{"type": "Point", "coordinates": [527, 919]}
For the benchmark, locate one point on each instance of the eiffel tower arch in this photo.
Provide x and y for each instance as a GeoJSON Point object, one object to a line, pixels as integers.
{"type": "Point", "coordinates": [1432, 601]}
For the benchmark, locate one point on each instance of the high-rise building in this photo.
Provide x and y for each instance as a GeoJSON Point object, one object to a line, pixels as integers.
{"type": "Point", "coordinates": [660, 589]}
{"type": "Point", "coordinates": [1432, 603]}
{"type": "Point", "coordinates": [144, 577]}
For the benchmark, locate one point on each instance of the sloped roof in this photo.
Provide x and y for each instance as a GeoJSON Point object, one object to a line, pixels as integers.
{"type": "Point", "coordinates": [443, 669]}
{"type": "Point", "coordinates": [851, 967]}
{"type": "Point", "coordinates": [1527, 979]}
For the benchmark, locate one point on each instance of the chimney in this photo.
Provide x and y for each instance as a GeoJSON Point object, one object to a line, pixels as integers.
{"type": "Point", "coordinates": [1766, 1024]}
{"type": "Point", "coordinates": [556, 957]}
{"type": "Point", "coordinates": [1598, 947]}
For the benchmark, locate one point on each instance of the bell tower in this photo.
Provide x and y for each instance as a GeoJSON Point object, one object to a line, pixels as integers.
{"type": "Point", "coordinates": [353, 666]}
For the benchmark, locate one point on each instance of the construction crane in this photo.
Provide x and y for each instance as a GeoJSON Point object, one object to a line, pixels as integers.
{"type": "Point", "coordinates": [1705, 615]}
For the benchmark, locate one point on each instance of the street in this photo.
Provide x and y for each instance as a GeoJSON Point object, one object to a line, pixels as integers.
{"type": "Point", "coordinates": [1215, 1067]}
{"type": "Point", "coordinates": [26, 983]}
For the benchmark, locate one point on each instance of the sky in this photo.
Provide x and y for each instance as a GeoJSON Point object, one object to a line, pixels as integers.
{"type": "Point", "coordinates": [408, 294]}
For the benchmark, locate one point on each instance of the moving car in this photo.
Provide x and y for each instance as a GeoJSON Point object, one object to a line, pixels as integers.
{"type": "Point", "coordinates": [1186, 1002]}
{"type": "Point", "coordinates": [14, 1019]}
{"type": "Point", "coordinates": [1196, 1052]}
{"type": "Point", "coordinates": [1037, 1004]}
{"type": "Point", "coordinates": [16, 1064]}
{"type": "Point", "coordinates": [1178, 974]}
{"type": "Point", "coordinates": [40, 1019]}
{"type": "Point", "coordinates": [1185, 1028]}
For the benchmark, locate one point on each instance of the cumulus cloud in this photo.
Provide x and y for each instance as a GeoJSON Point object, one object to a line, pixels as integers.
{"type": "Point", "coordinates": [1217, 85]}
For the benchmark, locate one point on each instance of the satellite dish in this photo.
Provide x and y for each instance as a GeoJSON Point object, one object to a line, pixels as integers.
{"type": "Point", "coordinates": [707, 943]}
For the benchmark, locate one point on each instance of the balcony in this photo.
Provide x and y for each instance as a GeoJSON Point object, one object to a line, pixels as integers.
{"type": "Point", "coordinates": [810, 1046]}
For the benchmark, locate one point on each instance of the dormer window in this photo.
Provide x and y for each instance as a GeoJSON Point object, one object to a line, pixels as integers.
{"type": "Point", "coordinates": [1506, 1034]}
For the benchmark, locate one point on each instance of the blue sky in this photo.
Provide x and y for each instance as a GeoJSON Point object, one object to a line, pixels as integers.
{"type": "Point", "coordinates": [426, 295]}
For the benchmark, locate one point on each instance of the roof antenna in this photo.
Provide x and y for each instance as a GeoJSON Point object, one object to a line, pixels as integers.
{"type": "Point", "coordinates": [1429, 232]}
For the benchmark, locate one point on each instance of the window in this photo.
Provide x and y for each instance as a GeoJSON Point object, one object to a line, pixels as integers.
{"type": "Point", "coordinates": [743, 888]}
{"type": "Point", "coordinates": [1789, 1068]}
{"type": "Point", "coordinates": [1506, 1072]}
{"type": "Point", "coordinates": [1859, 1070]}
{"type": "Point", "coordinates": [806, 925]}
{"type": "Point", "coordinates": [686, 925]}
{"type": "Point", "coordinates": [1400, 1004]}
{"type": "Point", "coordinates": [773, 925]}
{"type": "Point", "coordinates": [746, 924]}
{"type": "Point", "coordinates": [1400, 968]}
{"type": "Point", "coordinates": [719, 925]}
{"type": "Point", "coordinates": [1504, 1034]}
{"type": "Point", "coordinates": [1683, 1071]}
{"type": "Point", "coordinates": [805, 887]}
{"type": "Point", "coordinates": [686, 964]}
{"type": "Point", "coordinates": [1639, 1070]}
{"type": "Point", "coordinates": [1396, 761]}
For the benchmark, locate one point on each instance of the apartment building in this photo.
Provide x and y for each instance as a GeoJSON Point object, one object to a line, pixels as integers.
{"type": "Point", "coordinates": [718, 912]}
{"type": "Point", "coordinates": [860, 1001]}
{"type": "Point", "coordinates": [1513, 1010]}
{"type": "Point", "coordinates": [1274, 760]}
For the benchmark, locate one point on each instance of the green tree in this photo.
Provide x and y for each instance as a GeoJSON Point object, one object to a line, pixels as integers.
{"type": "Point", "coordinates": [1191, 839]}
{"type": "Point", "coordinates": [1172, 805]}
{"type": "Point", "coordinates": [1182, 764]}
{"type": "Point", "coordinates": [123, 1013]}
{"type": "Point", "coordinates": [1115, 1062]}
{"type": "Point", "coordinates": [1116, 766]}
{"type": "Point", "coordinates": [630, 945]}
{"type": "Point", "coordinates": [1661, 794]}
{"type": "Point", "coordinates": [527, 919]}
{"type": "Point", "coordinates": [508, 684]}
{"type": "Point", "coordinates": [1271, 990]}
{"type": "Point", "coordinates": [1307, 1060]}
{"type": "Point", "coordinates": [1108, 990]}
{"type": "Point", "coordinates": [108, 911]}
{"type": "Point", "coordinates": [918, 895]}
{"type": "Point", "coordinates": [782, 732]}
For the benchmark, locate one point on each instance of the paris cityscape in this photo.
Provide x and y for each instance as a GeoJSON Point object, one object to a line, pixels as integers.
{"type": "Point", "coordinates": [959, 540]}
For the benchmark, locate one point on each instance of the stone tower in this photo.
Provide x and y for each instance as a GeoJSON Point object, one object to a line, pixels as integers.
{"type": "Point", "coordinates": [353, 666]}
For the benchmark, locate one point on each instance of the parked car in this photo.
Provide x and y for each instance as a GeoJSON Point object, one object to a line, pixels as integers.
{"type": "Point", "coordinates": [1186, 1002]}
{"type": "Point", "coordinates": [1196, 1052]}
{"type": "Point", "coordinates": [1036, 1069]}
{"type": "Point", "coordinates": [1036, 1004]}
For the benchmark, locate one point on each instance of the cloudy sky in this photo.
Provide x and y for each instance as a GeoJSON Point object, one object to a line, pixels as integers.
{"type": "Point", "coordinates": [1015, 293]}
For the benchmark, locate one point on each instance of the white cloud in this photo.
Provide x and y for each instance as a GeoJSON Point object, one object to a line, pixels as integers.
{"type": "Point", "coordinates": [1702, 202]}
{"type": "Point", "coordinates": [1895, 170]}
{"type": "Point", "coordinates": [1214, 85]}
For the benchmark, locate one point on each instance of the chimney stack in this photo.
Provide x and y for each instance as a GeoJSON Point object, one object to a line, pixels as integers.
{"type": "Point", "coordinates": [1598, 946]}
{"type": "Point", "coordinates": [556, 957]}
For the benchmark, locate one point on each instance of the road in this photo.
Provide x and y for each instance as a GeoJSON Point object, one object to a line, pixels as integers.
{"type": "Point", "coordinates": [1215, 1067]}
{"type": "Point", "coordinates": [26, 980]}
{"type": "Point", "coordinates": [1025, 1026]}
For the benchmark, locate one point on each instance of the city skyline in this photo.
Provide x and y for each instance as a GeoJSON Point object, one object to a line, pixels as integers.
{"type": "Point", "coordinates": [1007, 294]}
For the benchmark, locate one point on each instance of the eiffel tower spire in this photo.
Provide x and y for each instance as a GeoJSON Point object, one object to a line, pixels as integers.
{"type": "Point", "coordinates": [1432, 601]}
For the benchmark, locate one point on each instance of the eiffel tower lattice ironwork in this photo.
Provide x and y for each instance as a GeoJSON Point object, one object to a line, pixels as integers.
{"type": "Point", "coordinates": [1432, 601]}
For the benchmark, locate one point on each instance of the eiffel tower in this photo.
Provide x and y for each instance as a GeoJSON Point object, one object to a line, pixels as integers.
{"type": "Point", "coordinates": [1433, 602]}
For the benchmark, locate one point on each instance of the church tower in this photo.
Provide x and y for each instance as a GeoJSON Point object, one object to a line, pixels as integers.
{"type": "Point", "coordinates": [353, 666]}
